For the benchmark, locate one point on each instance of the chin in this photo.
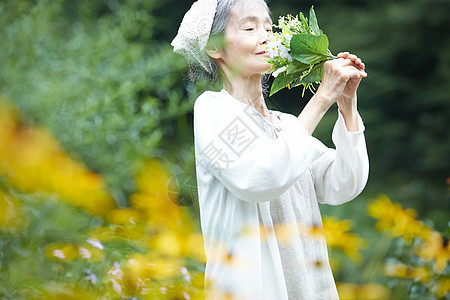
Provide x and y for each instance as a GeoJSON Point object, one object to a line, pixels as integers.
{"type": "Point", "coordinates": [261, 67]}
{"type": "Point", "coordinates": [264, 68]}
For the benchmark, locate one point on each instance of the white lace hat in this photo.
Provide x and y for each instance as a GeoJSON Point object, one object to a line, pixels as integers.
{"type": "Point", "coordinates": [194, 31]}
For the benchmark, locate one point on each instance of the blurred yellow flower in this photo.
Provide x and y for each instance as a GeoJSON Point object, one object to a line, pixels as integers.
{"type": "Point", "coordinates": [11, 213]}
{"type": "Point", "coordinates": [177, 244]}
{"type": "Point", "coordinates": [8, 125]}
{"type": "Point", "coordinates": [124, 216]}
{"type": "Point", "coordinates": [400, 270]}
{"type": "Point", "coordinates": [117, 232]}
{"type": "Point", "coordinates": [63, 292]}
{"type": "Point", "coordinates": [153, 179]}
{"type": "Point", "coordinates": [220, 253]}
{"type": "Point", "coordinates": [436, 248]}
{"type": "Point", "coordinates": [397, 221]}
{"type": "Point", "coordinates": [32, 160]}
{"type": "Point", "coordinates": [153, 198]}
{"type": "Point", "coordinates": [338, 236]}
{"type": "Point", "coordinates": [154, 266]}
{"type": "Point", "coordinates": [443, 288]}
{"type": "Point", "coordinates": [334, 231]}
{"type": "Point", "coordinates": [285, 232]}
{"type": "Point", "coordinates": [194, 247]}
{"type": "Point", "coordinates": [160, 213]}
{"type": "Point", "coordinates": [167, 243]}
{"type": "Point", "coordinates": [371, 291]}
{"type": "Point", "coordinates": [198, 281]}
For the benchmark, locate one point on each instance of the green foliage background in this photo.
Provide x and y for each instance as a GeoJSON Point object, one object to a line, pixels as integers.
{"type": "Point", "coordinates": [102, 77]}
{"type": "Point", "coordinates": [93, 74]}
{"type": "Point", "coordinates": [403, 102]}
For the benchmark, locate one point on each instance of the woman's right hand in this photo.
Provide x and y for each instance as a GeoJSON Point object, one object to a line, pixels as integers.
{"type": "Point", "coordinates": [341, 78]}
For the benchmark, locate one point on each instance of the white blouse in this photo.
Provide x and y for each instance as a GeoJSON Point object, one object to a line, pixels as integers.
{"type": "Point", "coordinates": [259, 185]}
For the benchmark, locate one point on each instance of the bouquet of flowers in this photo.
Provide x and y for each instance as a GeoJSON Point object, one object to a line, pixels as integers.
{"type": "Point", "coordinates": [297, 53]}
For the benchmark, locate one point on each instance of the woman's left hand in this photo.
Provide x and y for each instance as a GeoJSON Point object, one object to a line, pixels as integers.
{"type": "Point", "coordinates": [341, 78]}
{"type": "Point", "coordinates": [348, 96]}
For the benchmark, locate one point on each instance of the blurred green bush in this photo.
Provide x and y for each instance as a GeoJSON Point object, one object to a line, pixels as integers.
{"type": "Point", "coordinates": [108, 91]}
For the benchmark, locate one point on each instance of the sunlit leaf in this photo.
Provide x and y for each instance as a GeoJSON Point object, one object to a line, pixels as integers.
{"type": "Point", "coordinates": [309, 49]}
{"type": "Point", "coordinates": [313, 21]}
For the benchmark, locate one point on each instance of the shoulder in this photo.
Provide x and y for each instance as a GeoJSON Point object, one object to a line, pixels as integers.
{"type": "Point", "coordinates": [212, 108]}
{"type": "Point", "coordinates": [217, 105]}
{"type": "Point", "coordinates": [208, 100]}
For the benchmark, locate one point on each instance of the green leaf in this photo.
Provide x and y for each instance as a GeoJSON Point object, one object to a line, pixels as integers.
{"type": "Point", "coordinates": [313, 22]}
{"type": "Point", "coordinates": [282, 80]}
{"type": "Point", "coordinates": [314, 76]}
{"type": "Point", "coordinates": [296, 66]}
{"type": "Point", "coordinates": [303, 20]}
{"type": "Point", "coordinates": [309, 49]}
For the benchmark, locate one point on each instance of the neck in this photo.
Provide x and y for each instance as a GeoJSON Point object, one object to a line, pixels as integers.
{"type": "Point", "coordinates": [248, 90]}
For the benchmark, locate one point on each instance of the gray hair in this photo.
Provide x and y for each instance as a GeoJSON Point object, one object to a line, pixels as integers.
{"type": "Point", "coordinates": [221, 19]}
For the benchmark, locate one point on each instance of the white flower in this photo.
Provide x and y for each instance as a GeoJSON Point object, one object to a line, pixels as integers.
{"type": "Point", "coordinates": [185, 273]}
{"type": "Point", "coordinates": [116, 287]}
{"type": "Point", "coordinates": [163, 290]}
{"type": "Point", "coordinates": [141, 283]}
{"type": "Point", "coordinates": [146, 291]}
{"type": "Point", "coordinates": [271, 49]}
{"type": "Point", "coordinates": [91, 277]}
{"type": "Point", "coordinates": [186, 296]}
{"type": "Point", "coordinates": [278, 44]}
{"type": "Point", "coordinates": [59, 254]}
{"type": "Point", "coordinates": [116, 271]}
{"type": "Point", "coordinates": [84, 253]}
{"type": "Point", "coordinates": [96, 243]}
{"type": "Point", "coordinates": [277, 72]}
{"type": "Point", "coordinates": [284, 53]}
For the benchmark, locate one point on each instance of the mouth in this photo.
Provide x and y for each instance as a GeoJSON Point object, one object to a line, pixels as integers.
{"type": "Point", "coordinates": [263, 53]}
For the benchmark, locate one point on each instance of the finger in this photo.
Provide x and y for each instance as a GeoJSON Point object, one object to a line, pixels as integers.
{"type": "Point", "coordinates": [353, 74]}
{"type": "Point", "coordinates": [360, 64]}
{"type": "Point", "coordinates": [356, 72]}
{"type": "Point", "coordinates": [352, 57]}
{"type": "Point", "coordinates": [357, 61]}
{"type": "Point", "coordinates": [351, 62]}
{"type": "Point", "coordinates": [363, 73]}
{"type": "Point", "coordinates": [343, 54]}
{"type": "Point", "coordinates": [347, 64]}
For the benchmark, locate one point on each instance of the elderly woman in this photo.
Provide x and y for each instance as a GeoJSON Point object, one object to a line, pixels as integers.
{"type": "Point", "coordinates": [260, 173]}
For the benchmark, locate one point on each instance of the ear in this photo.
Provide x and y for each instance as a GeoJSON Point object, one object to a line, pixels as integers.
{"type": "Point", "coordinates": [215, 46]}
{"type": "Point", "coordinates": [214, 52]}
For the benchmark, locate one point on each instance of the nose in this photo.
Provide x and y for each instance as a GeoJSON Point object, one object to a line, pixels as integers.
{"type": "Point", "coordinates": [264, 37]}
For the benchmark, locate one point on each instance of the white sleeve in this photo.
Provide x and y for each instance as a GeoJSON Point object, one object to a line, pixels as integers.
{"type": "Point", "coordinates": [253, 167]}
{"type": "Point", "coordinates": [340, 175]}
